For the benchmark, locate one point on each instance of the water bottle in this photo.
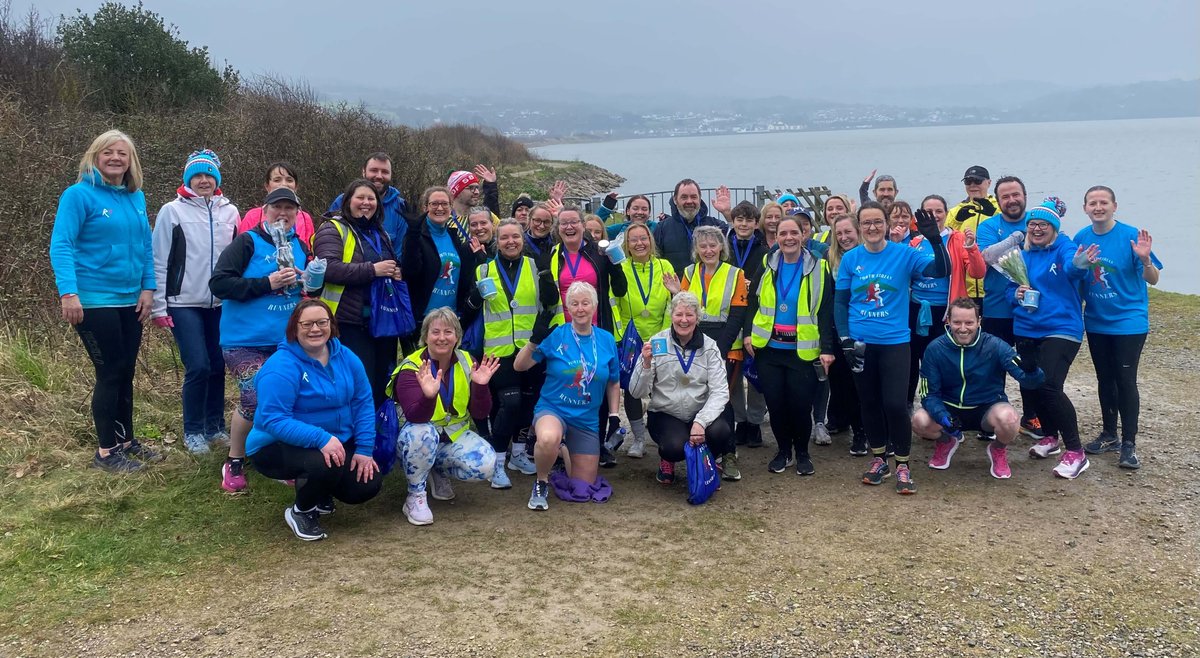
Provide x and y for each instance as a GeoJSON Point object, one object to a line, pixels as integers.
{"type": "Point", "coordinates": [820, 368]}
{"type": "Point", "coordinates": [617, 439]}
{"type": "Point", "coordinates": [314, 275]}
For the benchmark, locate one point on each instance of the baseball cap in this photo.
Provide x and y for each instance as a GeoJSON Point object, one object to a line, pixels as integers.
{"type": "Point", "coordinates": [977, 171]}
{"type": "Point", "coordinates": [281, 194]}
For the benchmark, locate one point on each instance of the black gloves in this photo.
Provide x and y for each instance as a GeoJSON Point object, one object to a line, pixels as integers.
{"type": "Point", "coordinates": [965, 213]}
{"type": "Point", "coordinates": [855, 351]}
{"type": "Point", "coordinates": [928, 227]}
{"type": "Point", "coordinates": [541, 327]}
{"type": "Point", "coordinates": [614, 426]}
{"type": "Point", "coordinates": [547, 290]}
{"type": "Point", "coordinates": [610, 201]}
{"type": "Point", "coordinates": [986, 209]}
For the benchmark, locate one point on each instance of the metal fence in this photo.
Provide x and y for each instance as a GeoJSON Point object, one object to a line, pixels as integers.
{"type": "Point", "coordinates": [660, 202]}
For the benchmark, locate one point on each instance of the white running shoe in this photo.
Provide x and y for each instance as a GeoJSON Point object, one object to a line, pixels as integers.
{"type": "Point", "coordinates": [416, 509]}
{"type": "Point", "coordinates": [1072, 464]}
{"type": "Point", "coordinates": [1044, 448]}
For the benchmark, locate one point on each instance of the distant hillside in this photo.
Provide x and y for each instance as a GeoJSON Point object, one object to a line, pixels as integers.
{"type": "Point", "coordinates": [1142, 100]}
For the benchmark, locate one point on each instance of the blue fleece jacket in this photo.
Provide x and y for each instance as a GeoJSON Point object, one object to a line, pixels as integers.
{"type": "Point", "coordinates": [1060, 309]}
{"type": "Point", "coordinates": [100, 247]}
{"type": "Point", "coordinates": [303, 403]}
{"type": "Point", "coordinates": [394, 210]}
{"type": "Point", "coordinates": [972, 375]}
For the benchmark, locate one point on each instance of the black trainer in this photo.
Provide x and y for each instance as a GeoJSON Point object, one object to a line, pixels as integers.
{"type": "Point", "coordinates": [780, 462]}
{"type": "Point", "coordinates": [858, 444]}
{"type": "Point", "coordinates": [142, 453]}
{"type": "Point", "coordinates": [1129, 458]}
{"type": "Point", "coordinates": [754, 438]}
{"type": "Point", "coordinates": [1106, 442]}
{"type": "Point", "coordinates": [306, 525]}
{"type": "Point", "coordinates": [326, 507]}
{"type": "Point", "coordinates": [116, 462]}
{"type": "Point", "coordinates": [804, 465]}
{"type": "Point", "coordinates": [607, 459]}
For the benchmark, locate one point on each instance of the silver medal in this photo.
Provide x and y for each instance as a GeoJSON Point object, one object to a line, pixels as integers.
{"type": "Point", "coordinates": [783, 308]}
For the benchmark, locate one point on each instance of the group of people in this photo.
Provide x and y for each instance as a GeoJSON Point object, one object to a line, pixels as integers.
{"type": "Point", "coordinates": [512, 344]}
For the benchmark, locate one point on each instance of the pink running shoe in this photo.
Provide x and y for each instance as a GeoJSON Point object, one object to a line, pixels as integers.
{"type": "Point", "coordinates": [1072, 464]}
{"type": "Point", "coordinates": [233, 478]}
{"type": "Point", "coordinates": [1044, 448]}
{"type": "Point", "coordinates": [943, 450]}
{"type": "Point", "coordinates": [998, 456]}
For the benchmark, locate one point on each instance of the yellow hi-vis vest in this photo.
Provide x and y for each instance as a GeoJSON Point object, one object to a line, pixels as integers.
{"type": "Point", "coordinates": [331, 294]}
{"type": "Point", "coordinates": [808, 302]}
{"type": "Point", "coordinates": [508, 322]}
{"type": "Point", "coordinates": [555, 268]}
{"type": "Point", "coordinates": [453, 426]}
{"type": "Point", "coordinates": [632, 304]}
{"type": "Point", "coordinates": [716, 307]}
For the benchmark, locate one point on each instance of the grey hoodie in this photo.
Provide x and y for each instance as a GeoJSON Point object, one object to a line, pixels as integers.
{"type": "Point", "coordinates": [189, 236]}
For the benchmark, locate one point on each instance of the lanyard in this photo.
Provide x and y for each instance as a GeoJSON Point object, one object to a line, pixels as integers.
{"type": "Point", "coordinates": [588, 372]}
{"type": "Point", "coordinates": [574, 267]}
{"type": "Point", "coordinates": [788, 286]}
{"type": "Point", "coordinates": [447, 385]}
{"type": "Point", "coordinates": [532, 242]}
{"type": "Point", "coordinates": [688, 365]}
{"type": "Point", "coordinates": [739, 254]}
{"type": "Point", "coordinates": [462, 232]}
{"type": "Point", "coordinates": [704, 287]}
{"type": "Point", "coordinates": [510, 287]}
{"type": "Point", "coordinates": [376, 243]}
{"type": "Point", "coordinates": [689, 229]}
{"type": "Point", "coordinates": [649, 282]}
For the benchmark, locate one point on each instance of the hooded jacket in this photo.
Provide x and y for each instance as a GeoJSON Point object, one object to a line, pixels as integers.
{"type": "Point", "coordinates": [101, 247]}
{"type": "Point", "coordinates": [1060, 310]}
{"type": "Point", "coordinates": [303, 403]}
{"type": "Point", "coordinates": [189, 235]}
{"type": "Point", "coordinates": [972, 375]}
{"type": "Point", "coordinates": [699, 399]}
{"type": "Point", "coordinates": [673, 235]}
{"type": "Point", "coordinates": [395, 209]}
{"type": "Point", "coordinates": [358, 274]}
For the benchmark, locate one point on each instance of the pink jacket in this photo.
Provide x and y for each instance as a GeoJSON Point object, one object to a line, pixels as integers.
{"type": "Point", "coordinates": [304, 224]}
{"type": "Point", "coordinates": [964, 262]}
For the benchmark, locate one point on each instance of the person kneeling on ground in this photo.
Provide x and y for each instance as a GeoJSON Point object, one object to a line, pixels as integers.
{"type": "Point", "coordinates": [315, 422]}
{"type": "Point", "coordinates": [688, 389]}
{"type": "Point", "coordinates": [964, 374]}
{"type": "Point", "coordinates": [582, 373]}
{"type": "Point", "coordinates": [439, 388]}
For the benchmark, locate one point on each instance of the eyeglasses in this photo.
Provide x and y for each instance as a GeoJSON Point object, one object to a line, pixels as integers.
{"type": "Point", "coordinates": [565, 224]}
{"type": "Point", "coordinates": [1041, 226]}
{"type": "Point", "coordinates": [973, 181]}
{"type": "Point", "coordinates": [474, 188]}
{"type": "Point", "coordinates": [873, 222]}
{"type": "Point", "coordinates": [309, 324]}
{"type": "Point", "coordinates": [438, 204]}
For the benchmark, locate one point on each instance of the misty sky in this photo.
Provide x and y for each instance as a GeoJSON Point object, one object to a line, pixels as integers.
{"type": "Point", "coordinates": [748, 47]}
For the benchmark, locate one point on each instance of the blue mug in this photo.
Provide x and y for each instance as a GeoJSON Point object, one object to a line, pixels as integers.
{"type": "Point", "coordinates": [487, 287]}
{"type": "Point", "coordinates": [613, 248]}
{"type": "Point", "coordinates": [1030, 300]}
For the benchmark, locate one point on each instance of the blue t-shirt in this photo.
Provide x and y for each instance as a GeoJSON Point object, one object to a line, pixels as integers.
{"type": "Point", "coordinates": [787, 293]}
{"type": "Point", "coordinates": [878, 285]}
{"type": "Point", "coordinates": [573, 392]}
{"type": "Point", "coordinates": [445, 287]}
{"type": "Point", "coordinates": [926, 289]}
{"type": "Point", "coordinates": [995, 285]}
{"type": "Point", "coordinates": [1114, 292]}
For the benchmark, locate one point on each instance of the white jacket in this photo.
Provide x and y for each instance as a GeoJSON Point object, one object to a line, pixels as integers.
{"type": "Point", "coordinates": [189, 236]}
{"type": "Point", "coordinates": [702, 398]}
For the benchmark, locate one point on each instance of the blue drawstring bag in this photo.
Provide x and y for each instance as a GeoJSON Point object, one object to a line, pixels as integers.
{"type": "Point", "coordinates": [391, 309]}
{"type": "Point", "coordinates": [386, 437]}
{"type": "Point", "coordinates": [701, 473]}
{"type": "Point", "coordinates": [630, 350]}
{"type": "Point", "coordinates": [472, 341]}
{"type": "Point", "coordinates": [750, 368]}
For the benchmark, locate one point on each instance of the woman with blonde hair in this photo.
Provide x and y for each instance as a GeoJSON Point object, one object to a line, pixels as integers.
{"type": "Point", "coordinates": [103, 262]}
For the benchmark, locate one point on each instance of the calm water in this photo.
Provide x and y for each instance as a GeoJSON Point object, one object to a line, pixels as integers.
{"type": "Point", "coordinates": [1154, 166]}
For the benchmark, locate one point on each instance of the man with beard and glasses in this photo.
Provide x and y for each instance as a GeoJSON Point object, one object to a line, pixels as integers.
{"type": "Point", "coordinates": [673, 235]}
{"type": "Point", "coordinates": [997, 236]}
{"type": "Point", "coordinates": [378, 170]}
{"type": "Point", "coordinates": [964, 372]}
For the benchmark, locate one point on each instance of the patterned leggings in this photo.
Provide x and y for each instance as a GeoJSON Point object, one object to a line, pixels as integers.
{"type": "Point", "coordinates": [470, 458]}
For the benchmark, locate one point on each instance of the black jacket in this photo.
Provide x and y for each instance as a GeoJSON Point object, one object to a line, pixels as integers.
{"type": "Point", "coordinates": [611, 277]}
{"type": "Point", "coordinates": [754, 260]}
{"type": "Point", "coordinates": [422, 266]}
{"type": "Point", "coordinates": [673, 235]}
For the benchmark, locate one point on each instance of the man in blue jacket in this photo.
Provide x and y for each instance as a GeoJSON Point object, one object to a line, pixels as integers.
{"type": "Point", "coordinates": [673, 235]}
{"type": "Point", "coordinates": [378, 170]}
{"type": "Point", "coordinates": [963, 373]}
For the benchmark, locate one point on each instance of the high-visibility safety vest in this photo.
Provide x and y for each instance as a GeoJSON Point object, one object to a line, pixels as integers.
{"type": "Point", "coordinates": [812, 283]}
{"type": "Point", "coordinates": [331, 294]}
{"type": "Point", "coordinates": [455, 425]}
{"type": "Point", "coordinates": [508, 321]}
{"type": "Point", "coordinates": [632, 304]}
{"type": "Point", "coordinates": [715, 308]}
{"type": "Point", "coordinates": [555, 268]}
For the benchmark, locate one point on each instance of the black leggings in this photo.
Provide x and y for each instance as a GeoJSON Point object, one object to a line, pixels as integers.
{"type": "Point", "coordinates": [112, 337]}
{"type": "Point", "coordinates": [1116, 359]}
{"type": "Point", "coordinates": [671, 434]}
{"type": "Point", "coordinates": [315, 482]}
{"type": "Point", "coordinates": [918, 343]}
{"type": "Point", "coordinates": [512, 409]}
{"type": "Point", "coordinates": [633, 407]}
{"type": "Point", "coordinates": [1002, 328]}
{"type": "Point", "coordinates": [1054, 356]}
{"type": "Point", "coordinates": [789, 386]}
{"type": "Point", "coordinates": [378, 356]}
{"type": "Point", "coordinates": [881, 388]}
{"type": "Point", "coordinates": [843, 397]}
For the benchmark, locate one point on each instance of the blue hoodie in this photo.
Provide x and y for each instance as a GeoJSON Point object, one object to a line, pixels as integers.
{"type": "Point", "coordinates": [972, 375]}
{"type": "Point", "coordinates": [100, 247]}
{"type": "Point", "coordinates": [1060, 309]}
{"type": "Point", "coordinates": [394, 210]}
{"type": "Point", "coordinates": [302, 403]}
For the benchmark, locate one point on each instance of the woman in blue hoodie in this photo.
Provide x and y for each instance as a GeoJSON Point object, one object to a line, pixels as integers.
{"type": "Point", "coordinates": [315, 422]}
{"type": "Point", "coordinates": [1050, 334]}
{"type": "Point", "coordinates": [104, 269]}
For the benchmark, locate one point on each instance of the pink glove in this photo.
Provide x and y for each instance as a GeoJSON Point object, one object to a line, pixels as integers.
{"type": "Point", "coordinates": [165, 322]}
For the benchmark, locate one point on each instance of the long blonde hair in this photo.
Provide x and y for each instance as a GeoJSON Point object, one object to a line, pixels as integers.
{"type": "Point", "coordinates": [835, 249]}
{"type": "Point", "coordinates": [87, 164]}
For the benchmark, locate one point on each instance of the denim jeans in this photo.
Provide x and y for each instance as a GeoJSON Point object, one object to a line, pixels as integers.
{"type": "Point", "coordinates": [198, 334]}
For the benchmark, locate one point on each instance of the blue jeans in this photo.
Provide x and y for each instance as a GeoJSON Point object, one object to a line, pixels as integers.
{"type": "Point", "coordinates": [198, 333]}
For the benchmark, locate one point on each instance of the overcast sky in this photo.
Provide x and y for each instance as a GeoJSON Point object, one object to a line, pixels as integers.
{"type": "Point", "coordinates": [748, 47]}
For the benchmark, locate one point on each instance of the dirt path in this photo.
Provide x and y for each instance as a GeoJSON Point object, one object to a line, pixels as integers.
{"type": "Point", "coordinates": [774, 565]}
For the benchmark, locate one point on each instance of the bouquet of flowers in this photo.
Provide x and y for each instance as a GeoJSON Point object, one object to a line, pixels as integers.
{"type": "Point", "coordinates": [1012, 265]}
